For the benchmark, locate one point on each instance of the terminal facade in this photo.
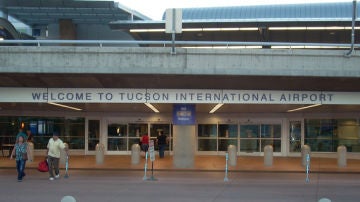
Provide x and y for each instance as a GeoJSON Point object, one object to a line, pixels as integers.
{"type": "Point", "coordinates": [285, 95]}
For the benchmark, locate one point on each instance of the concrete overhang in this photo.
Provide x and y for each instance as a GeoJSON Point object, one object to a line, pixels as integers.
{"type": "Point", "coordinates": [92, 67]}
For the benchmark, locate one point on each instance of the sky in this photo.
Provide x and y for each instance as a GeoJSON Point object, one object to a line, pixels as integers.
{"type": "Point", "coordinates": [154, 9]}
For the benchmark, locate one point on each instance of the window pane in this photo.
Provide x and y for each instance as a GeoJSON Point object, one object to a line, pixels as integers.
{"type": "Point", "coordinates": [275, 143]}
{"type": "Point", "coordinates": [117, 144]}
{"type": "Point", "coordinates": [348, 134]}
{"type": "Point", "coordinates": [75, 133]}
{"type": "Point", "coordinates": [117, 137]}
{"type": "Point", "coordinates": [207, 130]}
{"type": "Point", "coordinates": [224, 143]}
{"type": "Point", "coordinates": [319, 134]}
{"type": "Point", "coordinates": [207, 145]}
{"type": "Point", "coordinates": [271, 131]}
{"type": "Point", "coordinates": [249, 145]}
{"type": "Point", "coordinates": [228, 131]}
{"type": "Point", "coordinates": [249, 131]}
{"type": "Point", "coordinates": [137, 130]}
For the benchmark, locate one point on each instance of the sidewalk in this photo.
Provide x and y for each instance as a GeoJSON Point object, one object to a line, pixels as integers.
{"type": "Point", "coordinates": [202, 163]}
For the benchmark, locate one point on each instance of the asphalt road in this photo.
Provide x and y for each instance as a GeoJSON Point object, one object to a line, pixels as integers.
{"type": "Point", "coordinates": [173, 186]}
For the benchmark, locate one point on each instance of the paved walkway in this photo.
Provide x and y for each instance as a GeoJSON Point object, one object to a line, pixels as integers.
{"type": "Point", "coordinates": [202, 163]}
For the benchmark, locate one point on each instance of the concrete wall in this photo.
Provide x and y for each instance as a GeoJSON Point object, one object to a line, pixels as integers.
{"type": "Point", "coordinates": [142, 60]}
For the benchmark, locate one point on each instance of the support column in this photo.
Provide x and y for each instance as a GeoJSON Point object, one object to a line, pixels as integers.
{"type": "Point", "coordinates": [67, 29]}
{"type": "Point", "coordinates": [184, 146]}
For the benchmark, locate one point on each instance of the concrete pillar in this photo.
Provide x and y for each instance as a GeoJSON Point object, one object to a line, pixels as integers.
{"type": "Point", "coordinates": [184, 146]}
{"type": "Point", "coordinates": [304, 151]}
{"type": "Point", "coordinates": [67, 29]}
{"type": "Point", "coordinates": [232, 155]}
{"type": "Point", "coordinates": [341, 154]}
{"type": "Point", "coordinates": [268, 155]}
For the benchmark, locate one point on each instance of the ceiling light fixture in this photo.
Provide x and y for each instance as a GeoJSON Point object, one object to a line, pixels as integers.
{"type": "Point", "coordinates": [216, 108]}
{"type": "Point", "coordinates": [152, 107]}
{"type": "Point", "coordinates": [301, 108]}
{"type": "Point", "coordinates": [64, 106]}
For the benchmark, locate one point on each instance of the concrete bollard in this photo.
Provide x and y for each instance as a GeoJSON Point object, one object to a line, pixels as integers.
{"type": "Point", "coordinates": [304, 151]}
{"type": "Point", "coordinates": [232, 155]}
{"type": "Point", "coordinates": [99, 153]}
{"type": "Point", "coordinates": [31, 150]}
{"type": "Point", "coordinates": [135, 154]}
{"type": "Point", "coordinates": [268, 155]}
{"type": "Point", "coordinates": [341, 155]}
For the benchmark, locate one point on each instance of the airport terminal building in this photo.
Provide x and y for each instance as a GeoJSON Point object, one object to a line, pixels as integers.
{"type": "Point", "coordinates": [249, 76]}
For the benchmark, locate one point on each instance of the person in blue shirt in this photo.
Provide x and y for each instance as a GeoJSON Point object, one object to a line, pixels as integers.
{"type": "Point", "coordinates": [20, 149]}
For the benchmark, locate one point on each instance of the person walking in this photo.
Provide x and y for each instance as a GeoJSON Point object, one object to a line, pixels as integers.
{"type": "Point", "coordinates": [20, 151]}
{"type": "Point", "coordinates": [145, 142]}
{"type": "Point", "coordinates": [54, 147]}
{"type": "Point", "coordinates": [161, 142]}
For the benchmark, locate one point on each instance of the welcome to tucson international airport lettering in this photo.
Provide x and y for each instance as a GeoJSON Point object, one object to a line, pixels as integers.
{"type": "Point", "coordinates": [103, 95]}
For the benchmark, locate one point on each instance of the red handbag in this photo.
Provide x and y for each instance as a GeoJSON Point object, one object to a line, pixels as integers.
{"type": "Point", "coordinates": [43, 166]}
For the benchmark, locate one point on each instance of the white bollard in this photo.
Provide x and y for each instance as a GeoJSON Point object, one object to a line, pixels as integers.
{"type": "Point", "coordinates": [268, 155]}
{"type": "Point", "coordinates": [341, 154]}
{"type": "Point", "coordinates": [232, 155]}
{"type": "Point", "coordinates": [99, 154]}
{"type": "Point", "coordinates": [135, 154]}
{"type": "Point", "coordinates": [304, 151]}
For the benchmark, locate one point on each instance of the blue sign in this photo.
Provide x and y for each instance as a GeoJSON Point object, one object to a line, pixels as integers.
{"type": "Point", "coordinates": [184, 114]}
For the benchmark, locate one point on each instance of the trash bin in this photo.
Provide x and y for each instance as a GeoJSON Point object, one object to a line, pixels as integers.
{"type": "Point", "coordinates": [99, 153]}
{"type": "Point", "coordinates": [31, 150]}
{"type": "Point", "coordinates": [268, 155]}
{"type": "Point", "coordinates": [304, 151]}
{"type": "Point", "coordinates": [135, 154]}
{"type": "Point", "coordinates": [341, 154]}
{"type": "Point", "coordinates": [232, 155]}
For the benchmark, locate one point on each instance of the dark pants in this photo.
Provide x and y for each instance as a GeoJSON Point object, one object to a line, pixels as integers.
{"type": "Point", "coordinates": [53, 165]}
{"type": "Point", "coordinates": [20, 167]}
{"type": "Point", "coordinates": [145, 147]}
{"type": "Point", "coordinates": [161, 150]}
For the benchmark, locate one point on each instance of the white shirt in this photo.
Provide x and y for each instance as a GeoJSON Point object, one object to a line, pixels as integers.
{"type": "Point", "coordinates": [55, 147]}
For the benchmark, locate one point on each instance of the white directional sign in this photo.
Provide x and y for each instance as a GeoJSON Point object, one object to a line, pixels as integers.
{"type": "Point", "coordinates": [152, 150]}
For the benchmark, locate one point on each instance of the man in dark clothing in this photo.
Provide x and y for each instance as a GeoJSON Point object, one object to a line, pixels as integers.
{"type": "Point", "coordinates": [162, 142]}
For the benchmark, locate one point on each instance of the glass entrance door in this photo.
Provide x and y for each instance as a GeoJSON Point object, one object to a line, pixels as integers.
{"type": "Point", "coordinates": [93, 136]}
{"type": "Point", "coordinates": [254, 137]}
{"type": "Point", "coordinates": [295, 138]}
{"type": "Point", "coordinates": [166, 130]}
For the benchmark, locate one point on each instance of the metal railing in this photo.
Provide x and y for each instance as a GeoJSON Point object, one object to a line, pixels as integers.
{"type": "Point", "coordinates": [187, 44]}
